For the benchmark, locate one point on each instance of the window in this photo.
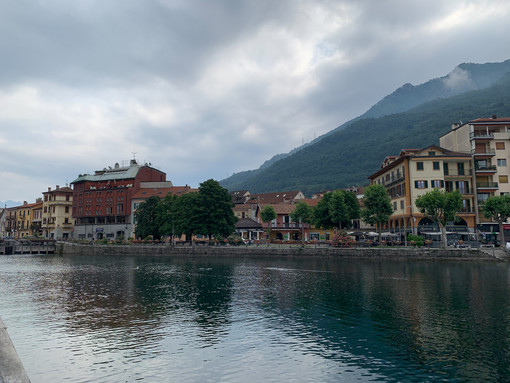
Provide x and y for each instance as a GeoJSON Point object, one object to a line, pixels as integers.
{"type": "Point", "coordinates": [432, 153]}
{"type": "Point", "coordinates": [500, 146]}
{"type": "Point", "coordinates": [460, 168]}
{"type": "Point", "coordinates": [445, 168]}
{"type": "Point", "coordinates": [482, 197]}
{"type": "Point", "coordinates": [66, 220]}
{"type": "Point", "coordinates": [67, 209]}
{"type": "Point", "coordinates": [421, 184]}
{"type": "Point", "coordinates": [402, 204]}
{"type": "Point", "coordinates": [501, 161]}
{"type": "Point", "coordinates": [437, 183]}
{"type": "Point", "coordinates": [462, 187]}
{"type": "Point", "coordinates": [435, 165]}
{"type": "Point", "coordinates": [394, 206]}
{"type": "Point", "coordinates": [503, 179]}
{"type": "Point", "coordinates": [45, 210]}
{"type": "Point", "coordinates": [67, 197]}
{"type": "Point", "coordinates": [419, 166]}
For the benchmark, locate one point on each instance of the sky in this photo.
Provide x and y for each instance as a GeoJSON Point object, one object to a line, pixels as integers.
{"type": "Point", "coordinates": [204, 89]}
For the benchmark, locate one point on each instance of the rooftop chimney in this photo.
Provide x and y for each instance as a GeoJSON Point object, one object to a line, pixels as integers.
{"type": "Point", "coordinates": [49, 189]}
{"type": "Point", "coordinates": [494, 116]}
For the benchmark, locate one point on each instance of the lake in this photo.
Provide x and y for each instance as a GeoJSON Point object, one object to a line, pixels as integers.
{"type": "Point", "coordinates": [178, 319]}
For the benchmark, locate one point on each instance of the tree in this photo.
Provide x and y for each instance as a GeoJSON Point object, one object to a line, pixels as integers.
{"type": "Point", "coordinates": [441, 207]}
{"type": "Point", "coordinates": [217, 216]}
{"type": "Point", "coordinates": [336, 209]}
{"type": "Point", "coordinates": [147, 217]}
{"type": "Point", "coordinates": [302, 213]}
{"type": "Point", "coordinates": [377, 208]}
{"type": "Point", "coordinates": [167, 216]}
{"type": "Point", "coordinates": [321, 216]}
{"type": "Point", "coordinates": [187, 212]}
{"type": "Point", "coordinates": [498, 208]}
{"type": "Point", "coordinates": [267, 215]}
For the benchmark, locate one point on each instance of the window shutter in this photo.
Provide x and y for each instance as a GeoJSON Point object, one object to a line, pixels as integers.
{"type": "Point", "coordinates": [426, 184]}
{"type": "Point", "coordinates": [416, 184]}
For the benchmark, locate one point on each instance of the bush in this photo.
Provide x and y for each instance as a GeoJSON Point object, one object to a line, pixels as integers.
{"type": "Point", "coordinates": [415, 240]}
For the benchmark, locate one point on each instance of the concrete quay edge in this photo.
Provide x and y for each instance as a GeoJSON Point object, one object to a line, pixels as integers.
{"type": "Point", "coordinates": [11, 368]}
{"type": "Point", "coordinates": [279, 251]}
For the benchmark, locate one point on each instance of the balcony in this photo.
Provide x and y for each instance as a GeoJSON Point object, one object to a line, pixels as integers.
{"type": "Point", "coordinates": [487, 185]}
{"type": "Point", "coordinates": [481, 136]}
{"type": "Point", "coordinates": [483, 152]}
{"type": "Point", "coordinates": [485, 169]}
{"type": "Point", "coordinates": [456, 173]}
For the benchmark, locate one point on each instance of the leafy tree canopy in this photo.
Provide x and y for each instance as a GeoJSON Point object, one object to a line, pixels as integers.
{"type": "Point", "coordinates": [147, 217]}
{"type": "Point", "coordinates": [498, 208]}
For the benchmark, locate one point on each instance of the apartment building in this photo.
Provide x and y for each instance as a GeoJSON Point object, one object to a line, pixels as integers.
{"type": "Point", "coordinates": [415, 172]}
{"type": "Point", "coordinates": [487, 140]}
{"type": "Point", "coordinates": [57, 213]}
{"type": "Point", "coordinates": [28, 219]}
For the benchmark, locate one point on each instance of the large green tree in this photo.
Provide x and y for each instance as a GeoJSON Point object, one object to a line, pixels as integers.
{"type": "Point", "coordinates": [147, 217]}
{"type": "Point", "coordinates": [167, 216]}
{"type": "Point", "coordinates": [217, 216]}
{"type": "Point", "coordinates": [302, 213]}
{"type": "Point", "coordinates": [498, 208]}
{"type": "Point", "coordinates": [336, 209]}
{"type": "Point", "coordinates": [441, 207]}
{"type": "Point", "coordinates": [377, 208]}
{"type": "Point", "coordinates": [187, 213]}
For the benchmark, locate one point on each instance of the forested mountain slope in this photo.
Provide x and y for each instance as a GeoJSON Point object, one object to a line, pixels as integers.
{"type": "Point", "coordinates": [348, 156]}
{"type": "Point", "coordinates": [463, 78]}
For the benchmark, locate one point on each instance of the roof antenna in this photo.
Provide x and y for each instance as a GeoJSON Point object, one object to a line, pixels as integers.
{"type": "Point", "coordinates": [134, 155]}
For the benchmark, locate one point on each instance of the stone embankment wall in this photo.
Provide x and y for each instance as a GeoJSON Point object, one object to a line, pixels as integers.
{"type": "Point", "coordinates": [274, 251]}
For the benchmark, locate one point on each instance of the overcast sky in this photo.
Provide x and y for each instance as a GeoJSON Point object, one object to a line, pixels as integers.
{"type": "Point", "coordinates": [202, 89]}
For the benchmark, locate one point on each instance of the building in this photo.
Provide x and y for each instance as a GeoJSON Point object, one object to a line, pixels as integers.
{"type": "Point", "coordinates": [102, 202]}
{"type": "Point", "coordinates": [57, 213]}
{"type": "Point", "coordinates": [28, 219]}
{"type": "Point", "coordinates": [487, 140]}
{"type": "Point", "coordinates": [415, 172]}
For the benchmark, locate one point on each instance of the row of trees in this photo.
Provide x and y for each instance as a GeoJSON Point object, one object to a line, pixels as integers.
{"type": "Point", "coordinates": [207, 212]}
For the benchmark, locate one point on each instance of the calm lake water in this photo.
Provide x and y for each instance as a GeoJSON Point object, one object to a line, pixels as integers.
{"type": "Point", "coordinates": [127, 319]}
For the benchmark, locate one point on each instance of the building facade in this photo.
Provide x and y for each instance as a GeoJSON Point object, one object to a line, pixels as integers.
{"type": "Point", "coordinates": [57, 213]}
{"type": "Point", "coordinates": [102, 202]}
{"type": "Point", "coordinates": [415, 172]}
{"type": "Point", "coordinates": [487, 140]}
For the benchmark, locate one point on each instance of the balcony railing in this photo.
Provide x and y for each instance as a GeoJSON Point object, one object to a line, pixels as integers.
{"type": "Point", "coordinates": [487, 185]}
{"type": "Point", "coordinates": [456, 173]}
{"type": "Point", "coordinates": [481, 136]}
{"type": "Point", "coordinates": [483, 152]}
{"type": "Point", "coordinates": [393, 180]}
{"type": "Point", "coordinates": [486, 168]}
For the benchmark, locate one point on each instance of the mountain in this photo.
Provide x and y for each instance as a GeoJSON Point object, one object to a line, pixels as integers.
{"type": "Point", "coordinates": [346, 157]}
{"type": "Point", "coordinates": [9, 204]}
{"type": "Point", "coordinates": [463, 78]}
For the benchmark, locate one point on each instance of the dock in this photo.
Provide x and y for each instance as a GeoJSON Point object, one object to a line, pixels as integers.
{"type": "Point", "coordinates": [27, 246]}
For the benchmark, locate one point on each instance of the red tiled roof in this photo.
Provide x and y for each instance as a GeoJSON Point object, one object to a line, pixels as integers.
{"type": "Point", "coordinates": [162, 192]}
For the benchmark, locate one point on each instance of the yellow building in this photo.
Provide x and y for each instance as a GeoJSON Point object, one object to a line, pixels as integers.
{"type": "Point", "coordinates": [415, 172]}
{"type": "Point", "coordinates": [27, 218]}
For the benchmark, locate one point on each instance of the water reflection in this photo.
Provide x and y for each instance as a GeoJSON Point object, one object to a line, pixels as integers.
{"type": "Point", "coordinates": [202, 319]}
